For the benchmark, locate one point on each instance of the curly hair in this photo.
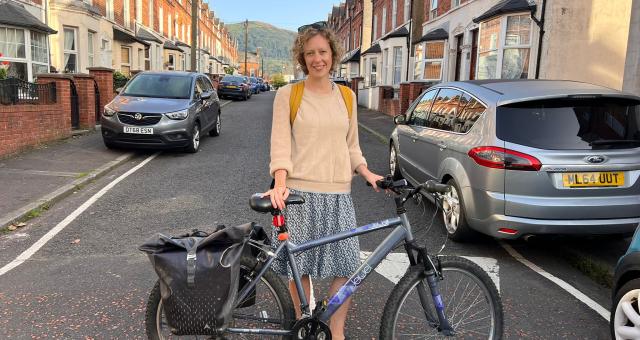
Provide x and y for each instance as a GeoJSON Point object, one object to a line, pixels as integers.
{"type": "Point", "coordinates": [302, 38]}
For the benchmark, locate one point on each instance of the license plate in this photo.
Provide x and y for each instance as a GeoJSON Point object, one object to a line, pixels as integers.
{"type": "Point", "coordinates": [138, 130]}
{"type": "Point", "coordinates": [593, 179]}
{"type": "Point", "coordinates": [231, 87]}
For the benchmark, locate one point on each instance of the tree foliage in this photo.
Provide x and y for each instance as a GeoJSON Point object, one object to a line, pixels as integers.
{"type": "Point", "coordinates": [278, 80]}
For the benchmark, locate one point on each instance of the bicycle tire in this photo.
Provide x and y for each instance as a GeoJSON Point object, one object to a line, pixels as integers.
{"type": "Point", "coordinates": [453, 267]}
{"type": "Point", "coordinates": [272, 281]}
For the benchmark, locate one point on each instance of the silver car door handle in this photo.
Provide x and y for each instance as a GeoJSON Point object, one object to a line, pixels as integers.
{"type": "Point", "coordinates": [442, 146]}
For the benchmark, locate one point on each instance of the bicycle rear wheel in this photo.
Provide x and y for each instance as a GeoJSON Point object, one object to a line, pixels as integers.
{"type": "Point", "coordinates": [471, 300]}
{"type": "Point", "coordinates": [269, 307]}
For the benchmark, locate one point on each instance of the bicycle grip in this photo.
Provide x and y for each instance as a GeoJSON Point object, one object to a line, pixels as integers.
{"type": "Point", "coordinates": [433, 186]}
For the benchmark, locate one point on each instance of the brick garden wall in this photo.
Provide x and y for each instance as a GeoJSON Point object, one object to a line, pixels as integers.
{"type": "Point", "coordinates": [22, 126]}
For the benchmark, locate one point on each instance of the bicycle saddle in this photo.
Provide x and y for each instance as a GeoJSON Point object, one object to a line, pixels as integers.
{"type": "Point", "coordinates": [263, 204]}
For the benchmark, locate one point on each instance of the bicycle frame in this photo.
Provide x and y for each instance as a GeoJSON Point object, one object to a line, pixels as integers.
{"type": "Point", "coordinates": [402, 232]}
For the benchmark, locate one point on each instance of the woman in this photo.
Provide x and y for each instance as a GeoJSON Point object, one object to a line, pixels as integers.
{"type": "Point", "coordinates": [316, 156]}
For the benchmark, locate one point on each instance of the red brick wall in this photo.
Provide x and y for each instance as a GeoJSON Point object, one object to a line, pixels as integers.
{"type": "Point", "coordinates": [86, 100]}
{"type": "Point", "coordinates": [104, 79]}
{"type": "Point", "coordinates": [389, 106]}
{"type": "Point", "coordinates": [22, 126]}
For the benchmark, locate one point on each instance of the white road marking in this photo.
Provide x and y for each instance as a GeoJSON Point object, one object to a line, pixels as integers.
{"type": "Point", "coordinates": [60, 226]}
{"type": "Point", "coordinates": [563, 284]}
{"type": "Point", "coordinates": [394, 266]}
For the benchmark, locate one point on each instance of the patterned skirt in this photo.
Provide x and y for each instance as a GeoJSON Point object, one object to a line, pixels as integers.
{"type": "Point", "coordinates": [321, 215]}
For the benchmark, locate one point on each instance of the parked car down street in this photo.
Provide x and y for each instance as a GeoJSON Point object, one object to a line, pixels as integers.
{"type": "Point", "coordinates": [525, 156]}
{"type": "Point", "coordinates": [234, 87]}
{"type": "Point", "coordinates": [162, 110]}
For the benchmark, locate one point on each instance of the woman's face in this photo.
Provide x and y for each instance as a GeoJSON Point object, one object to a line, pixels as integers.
{"type": "Point", "coordinates": [317, 56]}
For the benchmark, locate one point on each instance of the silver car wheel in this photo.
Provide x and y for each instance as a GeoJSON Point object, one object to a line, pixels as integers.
{"type": "Point", "coordinates": [218, 123]}
{"type": "Point", "coordinates": [626, 320]}
{"type": "Point", "coordinates": [196, 137]}
{"type": "Point", "coordinates": [392, 160]}
{"type": "Point", "coordinates": [451, 210]}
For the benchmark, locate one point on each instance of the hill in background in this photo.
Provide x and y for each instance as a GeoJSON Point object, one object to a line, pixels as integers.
{"type": "Point", "coordinates": [275, 45]}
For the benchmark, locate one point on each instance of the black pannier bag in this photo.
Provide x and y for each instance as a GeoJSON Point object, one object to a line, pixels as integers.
{"type": "Point", "coordinates": [199, 275]}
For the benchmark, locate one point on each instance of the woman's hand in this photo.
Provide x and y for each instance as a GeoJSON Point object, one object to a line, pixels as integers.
{"type": "Point", "coordinates": [369, 176]}
{"type": "Point", "coordinates": [278, 195]}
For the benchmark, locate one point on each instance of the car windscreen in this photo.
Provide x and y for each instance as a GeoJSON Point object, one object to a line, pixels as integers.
{"type": "Point", "coordinates": [571, 124]}
{"type": "Point", "coordinates": [233, 79]}
{"type": "Point", "coordinates": [159, 86]}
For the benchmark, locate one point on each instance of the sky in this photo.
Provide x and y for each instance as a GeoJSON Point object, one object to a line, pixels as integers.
{"type": "Point", "coordinates": [287, 14]}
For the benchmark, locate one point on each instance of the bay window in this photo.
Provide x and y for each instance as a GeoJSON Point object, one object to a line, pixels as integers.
{"type": "Point", "coordinates": [504, 48]}
{"type": "Point", "coordinates": [23, 53]}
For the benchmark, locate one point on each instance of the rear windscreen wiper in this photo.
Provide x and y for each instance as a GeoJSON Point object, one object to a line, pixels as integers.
{"type": "Point", "coordinates": [614, 141]}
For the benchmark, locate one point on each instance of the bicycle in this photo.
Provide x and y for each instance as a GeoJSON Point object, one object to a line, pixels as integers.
{"type": "Point", "coordinates": [449, 296]}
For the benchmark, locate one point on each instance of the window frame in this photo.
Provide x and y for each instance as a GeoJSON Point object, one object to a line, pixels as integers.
{"type": "Point", "coordinates": [407, 10]}
{"type": "Point", "coordinates": [410, 117]}
{"type": "Point", "coordinates": [424, 59]}
{"type": "Point", "coordinates": [122, 63]}
{"type": "Point", "coordinates": [433, 9]}
{"type": "Point", "coordinates": [384, 20]}
{"type": "Point", "coordinates": [394, 14]}
{"type": "Point", "coordinates": [501, 46]}
{"type": "Point", "coordinates": [397, 66]}
{"type": "Point", "coordinates": [91, 48]}
{"type": "Point", "coordinates": [74, 52]}
{"type": "Point", "coordinates": [110, 10]}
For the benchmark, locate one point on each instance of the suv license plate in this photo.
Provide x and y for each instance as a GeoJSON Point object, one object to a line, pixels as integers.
{"type": "Point", "coordinates": [592, 179]}
{"type": "Point", "coordinates": [138, 130]}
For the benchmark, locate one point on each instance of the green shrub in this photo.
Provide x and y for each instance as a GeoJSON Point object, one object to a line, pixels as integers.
{"type": "Point", "coordinates": [3, 73]}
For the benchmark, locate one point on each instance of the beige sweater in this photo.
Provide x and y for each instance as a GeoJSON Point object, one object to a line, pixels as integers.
{"type": "Point", "coordinates": [320, 152]}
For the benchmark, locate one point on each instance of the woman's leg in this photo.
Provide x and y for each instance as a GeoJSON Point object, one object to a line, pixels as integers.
{"type": "Point", "coordinates": [338, 318]}
{"type": "Point", "coordinates": [294, 293]}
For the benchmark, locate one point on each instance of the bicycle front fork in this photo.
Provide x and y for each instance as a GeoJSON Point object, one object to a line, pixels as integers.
{"type": "Point", "coordinates": [433, 275]}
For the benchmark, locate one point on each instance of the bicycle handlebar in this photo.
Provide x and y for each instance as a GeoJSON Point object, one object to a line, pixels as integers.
{"type": "Point", "coordinates": [430, 186]}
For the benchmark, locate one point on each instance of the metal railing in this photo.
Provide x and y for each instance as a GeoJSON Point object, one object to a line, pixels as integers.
{"type": "Point", "coordinates": [14, 91]}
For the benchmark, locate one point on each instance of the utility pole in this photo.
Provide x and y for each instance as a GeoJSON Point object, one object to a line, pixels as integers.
{"type": "Point", "coordinates": [194, 34]}
{"type": "Point", "coordinates": [246, 43]}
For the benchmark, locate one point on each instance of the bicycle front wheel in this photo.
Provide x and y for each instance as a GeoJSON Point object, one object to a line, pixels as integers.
{"type": "Point", "coordinates": [471, 301]}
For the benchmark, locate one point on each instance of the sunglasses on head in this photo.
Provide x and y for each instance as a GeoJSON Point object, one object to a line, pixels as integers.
{"type": "Point", "coordinates": [317, 25]}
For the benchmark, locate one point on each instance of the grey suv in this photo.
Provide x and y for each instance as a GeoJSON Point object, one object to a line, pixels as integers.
{"type": "Point", "coordinates": [525, 156]}
{"type": "Point", "coordinates": [162, 109]}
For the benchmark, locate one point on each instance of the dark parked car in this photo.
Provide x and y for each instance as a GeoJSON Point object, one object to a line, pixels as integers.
{"type": "Point", "coordinates": [264, 87]}
{"type": "Point", "coordinates": [525, 156]}
{"type": "Point", "coordinates": [162, 109]}
{"type": "Point", "coordinates": [341, 81]}
{"type": "Point", "coordinates": [255, 87]}
{"type": "Point", "coordinates": [625, 308]}
{"type": "Point", "coordinates": [234, 87]}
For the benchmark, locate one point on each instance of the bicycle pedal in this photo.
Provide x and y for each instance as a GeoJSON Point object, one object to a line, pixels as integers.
{"type": "Point", "coordinates": [321, 306]}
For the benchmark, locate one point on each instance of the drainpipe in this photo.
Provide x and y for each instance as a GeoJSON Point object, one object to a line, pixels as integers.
{"type": "Point", "coordinates": [540, 24]}
{"type": "Point", "coordinates": [409, 38]}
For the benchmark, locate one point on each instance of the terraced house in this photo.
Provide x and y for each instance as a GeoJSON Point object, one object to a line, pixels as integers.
{"type": "Point", "coordinates": [70, 36]}
{"type": "Point", "coordinates": [415, 44]}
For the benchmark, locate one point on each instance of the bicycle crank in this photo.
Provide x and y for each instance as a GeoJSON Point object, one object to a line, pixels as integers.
{"type": "Point", "coordinates": [311, 329]}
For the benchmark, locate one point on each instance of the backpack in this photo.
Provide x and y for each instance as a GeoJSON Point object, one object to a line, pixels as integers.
{"type": "Point", "coordinates": [296, 98]}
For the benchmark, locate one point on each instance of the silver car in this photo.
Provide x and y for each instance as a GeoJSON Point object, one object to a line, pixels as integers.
{"type": "Point", "coordinates": [162, 110]}
{"type": "Point", "coordinates": [525, 156]}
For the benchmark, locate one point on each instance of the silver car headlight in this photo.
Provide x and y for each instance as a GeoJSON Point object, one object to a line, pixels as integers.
{"type": "Point", "coordinates": [108, 112]}
{"type": "Point", "coordinates": [182, 114]}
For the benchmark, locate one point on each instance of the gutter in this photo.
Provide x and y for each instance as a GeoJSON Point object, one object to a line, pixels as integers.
{"type": "Point", "coordinates": [540, 24]}
{"type": "Point", "coordinates": [409, 39]}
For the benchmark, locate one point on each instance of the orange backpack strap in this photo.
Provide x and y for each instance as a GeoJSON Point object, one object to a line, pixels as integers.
{"type": "Point", "coordinates": [348, 98]}
{"type": "Point", "coordinates": [295, 99]}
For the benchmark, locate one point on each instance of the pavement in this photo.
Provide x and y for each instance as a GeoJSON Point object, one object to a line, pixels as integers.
{"type": "Point", "coordinates": [36, 179]}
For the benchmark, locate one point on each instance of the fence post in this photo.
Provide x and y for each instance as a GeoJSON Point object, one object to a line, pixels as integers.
{"type": "Point", "coordinates": [104, 79]}
{"type": "Point", "coordinates": [63, 95]}
{"type": "Point", "coordinates": [86, 100]}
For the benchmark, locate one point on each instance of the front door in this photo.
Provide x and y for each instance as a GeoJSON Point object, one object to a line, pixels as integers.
{"type": "Point", "coordinates": [474, 54]}
{"type": "Point", "coordinates": [458, 56]}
